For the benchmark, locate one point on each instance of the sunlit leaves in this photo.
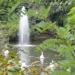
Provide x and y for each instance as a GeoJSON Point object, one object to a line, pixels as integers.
{"type": "Point", "coordinates": [63, 33]}
{"type": "Point", "coordinates": [71, 16]}
{"type": "Point", "coordinates": [41, 12]}
{"type": "Point", "coordinates": [32, 12]}
{"type": "Point", "coordinates": [70, 20]}
{"type": "Point", "coordinates": [72, 11]}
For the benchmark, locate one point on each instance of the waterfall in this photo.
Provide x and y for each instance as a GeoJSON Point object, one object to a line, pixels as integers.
{"type": "Point", "coordinates": [24, 28]}
{"type": "Point", "coordinates": [24, 37]}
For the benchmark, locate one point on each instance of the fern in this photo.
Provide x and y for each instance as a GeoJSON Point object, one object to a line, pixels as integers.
{"type": "Point", "coordinates": [44, 26]}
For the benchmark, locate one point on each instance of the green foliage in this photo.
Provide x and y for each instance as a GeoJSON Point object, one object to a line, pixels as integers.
{"type": "Point", "coordinates": [12, 28]}
{"type": "Point", "coordinates": [71, 17]}
{"type": "Point", "coordinates": [9, 29]}
{"type": "Point", "coordinates": [70, 20]}
{"type": "Point", "coordinates": [56, 11]}
{"type": "Point", "coordinates": [10, 65]}
{"type": "Point", "coordinates": [41, 13]}
{"type": "Point", "coordinates": [8, 18]}
{"type": "Point", "coordinates": [62, 43]}
{"type": "Point", "coordinates": [3, 39]}
{"type": "Point", "coordinates": [61, 73]}
{"type": "Point", "coordinates": [44, 26]}
{"type": "Point", "coordinates": [71, 11]}
{"type": "Point", "coordinates": [9, 9]}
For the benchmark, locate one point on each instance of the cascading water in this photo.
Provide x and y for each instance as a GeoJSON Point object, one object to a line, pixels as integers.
{"type": "Point", "coordinates": [24, 28]}
{"type": "Point", "coordinates": [24, 37]}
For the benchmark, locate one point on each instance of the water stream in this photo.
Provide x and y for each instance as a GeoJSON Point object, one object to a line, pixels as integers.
{"type": "Point", "coordinates": [24, 28]}
{"type": "Point", "coordinates": [24, 37]}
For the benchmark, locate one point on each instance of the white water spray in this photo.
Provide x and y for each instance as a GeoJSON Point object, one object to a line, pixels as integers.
{"type": "Point", "coordinates": [24, 37]}
{"type": "Point", "coordinates": [24, 28]}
